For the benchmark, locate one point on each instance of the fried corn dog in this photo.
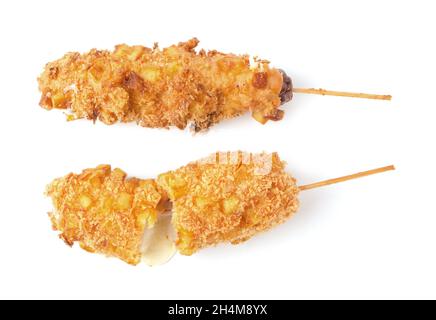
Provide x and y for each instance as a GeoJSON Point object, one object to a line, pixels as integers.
{"type": "Point", "coordinates": [212, 202]}
{"type": "Point", "coordinates": [227, 197]}
{"type": "Point", "coordinates": [162, 88]}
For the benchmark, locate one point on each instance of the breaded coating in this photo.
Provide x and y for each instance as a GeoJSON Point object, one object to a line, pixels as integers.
{"type": "Point", "coordinates": [104, 211]}
{"type": "Point", "coordinates": [157, 88]}
{"type": "Point", "coordinates": [228, 197]}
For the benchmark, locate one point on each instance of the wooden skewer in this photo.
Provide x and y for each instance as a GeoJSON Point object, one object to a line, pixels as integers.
{"type": "Point", "coordinates": [341, 93]}
{"type": "Point", "coordinates": [345, 178]}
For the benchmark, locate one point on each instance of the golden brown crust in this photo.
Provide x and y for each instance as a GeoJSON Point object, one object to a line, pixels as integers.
{"type": "Point", "coordinates": [228, 197]}
{"type": "Point", "coordinates": [161, 88]}
{"type": "Point", "coordinates": [104, 211]}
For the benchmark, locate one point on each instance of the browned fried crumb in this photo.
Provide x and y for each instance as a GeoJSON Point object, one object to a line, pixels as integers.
{"type": "Point", "coordinates": [162, 88]}
{"type": "Point", "coordinates": [228, 197]}
{"type": "Point", "coordinates": [104, 211]}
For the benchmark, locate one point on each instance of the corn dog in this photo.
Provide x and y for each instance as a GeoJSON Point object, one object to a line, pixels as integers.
{"type": "Point", "coordinates": [176, 86]}
{"type": "Point", "coordinates": [163, 88]}
{"type": "Point", "coordinates": [226, 197]}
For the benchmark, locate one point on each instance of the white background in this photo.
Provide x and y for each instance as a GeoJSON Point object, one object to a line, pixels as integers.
{"type": "Point", "coordinates": [370, 238]}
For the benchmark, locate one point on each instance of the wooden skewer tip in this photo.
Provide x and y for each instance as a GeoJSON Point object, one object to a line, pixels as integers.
{"type": "Point", "coordinates": [345, 178]}
{"type": "Point", "coordinates": [342, 93]}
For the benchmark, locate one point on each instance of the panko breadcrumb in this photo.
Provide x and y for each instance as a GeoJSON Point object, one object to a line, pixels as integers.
{"type": "Point", "coordinates": [175, 86]}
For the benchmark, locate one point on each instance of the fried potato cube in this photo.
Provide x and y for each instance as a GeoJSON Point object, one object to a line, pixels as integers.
{"type": "Point", "coordinates": [175, 185]}
{"type": "Point", "coordinates": [151, 74]}
{"type": "Point", "coordinates": [59, 101]}
{"type": "Point", "coordinates": [230, 205]}
{"type": "Point", "coordinates": [259, 117]}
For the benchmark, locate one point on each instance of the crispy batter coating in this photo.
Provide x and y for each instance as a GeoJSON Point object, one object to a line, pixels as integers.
{"type": "Point", "coordinates": [162, 88]}
{"type": "Point", "coordinates": [228, 197]}
{"type": "Point", "coordinates": [104, 211]}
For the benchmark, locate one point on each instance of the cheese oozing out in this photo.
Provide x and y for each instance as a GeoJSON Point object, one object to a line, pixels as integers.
{"type": "Point", "coordinates": [158, 243]}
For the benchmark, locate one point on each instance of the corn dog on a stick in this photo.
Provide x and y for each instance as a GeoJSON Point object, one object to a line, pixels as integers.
{"type": "Point", "coordinates": [175, 86]}
{"type": "Point", "coordinates": [227, 197]}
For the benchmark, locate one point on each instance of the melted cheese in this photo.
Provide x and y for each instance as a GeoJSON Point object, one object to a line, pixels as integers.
{"type": "Point", "coordinates": [158, 243]}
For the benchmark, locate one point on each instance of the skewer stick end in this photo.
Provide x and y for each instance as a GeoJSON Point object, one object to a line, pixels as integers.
{"type": "Point", "coordinates": [325, 92]}
{"type": "Point", "coordinates": [346, 178]}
